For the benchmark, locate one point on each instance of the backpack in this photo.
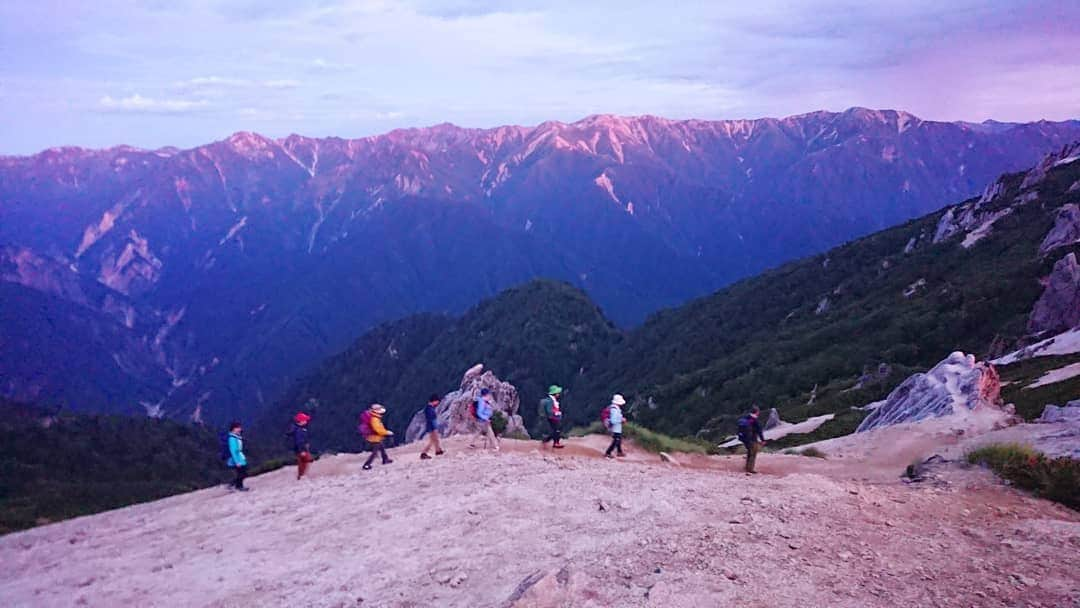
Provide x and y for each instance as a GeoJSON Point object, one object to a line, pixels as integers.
{"type": "Point", "coordinates": [746, 428]}
{"type": "Point", "coordinates": [365, 424]}
{"type": "Point", "coordinates": [223, 446]}
{"type": "Point", "coordinates": [605, 416]}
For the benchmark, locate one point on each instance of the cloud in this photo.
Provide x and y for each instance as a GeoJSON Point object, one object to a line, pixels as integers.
{"type": "Point", "coordinates": [202, 83]}
{"type": "Point", "coordinates": [148, 105]}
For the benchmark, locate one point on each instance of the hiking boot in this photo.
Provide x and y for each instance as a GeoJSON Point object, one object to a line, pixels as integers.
{"type": "Point", "coordinates": [558, 446]}
{"type": "Point", "coordinates": [440, 452]}
{"type": "Point", "coordinates": [243, 489]}
{"type": "Point", "coordinates": [621, 455]}
{"type": "Point", "coordinates": [608, 455]}
{"type": "Point", "coordinates": [424, 456]}
{"type": "Point", "coordinates": [366, 467]}
{"type": "Point", "coordinates": [388, 461]}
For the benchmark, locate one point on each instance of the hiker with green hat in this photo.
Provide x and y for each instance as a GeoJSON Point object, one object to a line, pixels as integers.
{"type": "Point", "coordinates": [550, 409]}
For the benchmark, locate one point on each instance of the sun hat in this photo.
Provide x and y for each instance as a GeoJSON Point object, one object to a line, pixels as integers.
{"type": "Point", "coordinates": [378, 409]}
{"type": "Point", "coordinates": [554, 389]}
{"type": "Point", "coordinates": [618, 400]}
{"type": "Point", "coordinates": [301, 418]}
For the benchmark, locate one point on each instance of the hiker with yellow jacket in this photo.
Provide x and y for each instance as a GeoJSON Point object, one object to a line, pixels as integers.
{"type": "Point", "coordinates": [373, 431]}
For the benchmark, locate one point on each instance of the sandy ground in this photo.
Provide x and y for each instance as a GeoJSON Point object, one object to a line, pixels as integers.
{"type": "Point", "coordinates": [531, 527]}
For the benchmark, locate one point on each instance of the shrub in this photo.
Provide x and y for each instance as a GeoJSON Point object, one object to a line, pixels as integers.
{"type": "Point", "coordinates": [658, 442]}
{"type": "Point", "coordinates": [1056, 479]}
{"type": "Point", "coordinates": [812, 453]}
{"type": "Point", "coordinates": [596, 428]}
{"type": "Point", "coordinates": [498, 423]}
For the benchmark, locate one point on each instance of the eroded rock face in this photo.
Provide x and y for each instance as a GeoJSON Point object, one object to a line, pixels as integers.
{"type": "Point", "coordinates": [1058, 308]}
{"type": "Point", "coordinates": [774, 419]}
{"type": "Point", "coordinates": [1070, 412]}
{"type": "Point", "coordinates": [454, 411]}
{"type": "Point", "coordinates": [1066, 230]}
{"type": "Point", "coordinates": [955, 385]}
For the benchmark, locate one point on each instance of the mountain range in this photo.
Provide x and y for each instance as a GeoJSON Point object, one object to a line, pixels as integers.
{"type": "Point", "coordinates": [199, 284]}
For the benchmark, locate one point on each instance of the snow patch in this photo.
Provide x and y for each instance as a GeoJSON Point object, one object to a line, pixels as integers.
{"type": "Point", "coordinates": [1065, 343]}
{"type": "Point", "coordinates": [605, 184]}
{"type": "Point", "coordinates": [237, 227]}
{"type": "Point", "coordinates": [1056, 375]}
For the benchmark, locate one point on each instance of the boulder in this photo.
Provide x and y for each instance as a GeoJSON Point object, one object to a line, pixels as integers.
{"type": "Point", "coordinates": [454, 411]}
{"type": "Point", "coordinates": [955, 385]}
{"type": "Point", "coordinates": [1066, 230]}
{"type": "Point", "coordinates": [774, 419]}
{"type": "Point", "coordinates": [1058, 308]}
{"type": "Point", "coordinates": [1070, 412]}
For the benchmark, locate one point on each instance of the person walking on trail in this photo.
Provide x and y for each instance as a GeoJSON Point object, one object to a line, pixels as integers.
{"type": "Point", "coordinates": [301, 446]}
{"type": "Point", "coordinates": [613, 420]}
{"type": "Point", "coordinates": [431, 427]}
{"type": "Point", "coordinates": [237, 460]}
{"type": "Point", "coordinates": [371, 427]}
{"type": "Point", "coordinates": [484, 411]}
{"type": "Point", "coordinates": [550, 409]}
{"type": "Point", "coordinates": [752, 437]}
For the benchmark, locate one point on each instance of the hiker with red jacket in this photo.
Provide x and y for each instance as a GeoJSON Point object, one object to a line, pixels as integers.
{"type": "Point", "coordinates": [431, 427]}
{"type": "Point", "coordinates": [552, 411]}
{"type": "Point", "coordinates": [613, 421]}
{"type": "Point", "coordinates": [752, 437]}
{"type": "Point", "coordinates": [301, 446]}
{"type": "Point", "coordinates": [371, 427]}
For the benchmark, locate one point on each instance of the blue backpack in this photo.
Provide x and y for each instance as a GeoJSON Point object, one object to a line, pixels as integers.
{"type": "Point", "coordinates": [746, 429]}
{"type": "Point", "coordinates": [223, 446]}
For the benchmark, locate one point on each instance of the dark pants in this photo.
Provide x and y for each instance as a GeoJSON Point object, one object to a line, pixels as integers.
{"type": "Point", "coordinates": [241, 474]}
{"type": "Point", "coordinates": [377, 449]}
{"type": "Point", "coordinates": [752, 449]}
{"type": "Point", "coordinates": [556, 431]}
{"type": "Point", "coordinates": [616, 444]}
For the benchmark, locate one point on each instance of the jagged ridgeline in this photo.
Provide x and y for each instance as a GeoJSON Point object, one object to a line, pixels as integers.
{"type": "Point", "coordinates": [540, 333]}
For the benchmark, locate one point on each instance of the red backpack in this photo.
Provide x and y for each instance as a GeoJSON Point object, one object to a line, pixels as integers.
{"type": "Point", "coordinates": [365, 424]}
{"type": "Point", "coordinates": [605, 416]}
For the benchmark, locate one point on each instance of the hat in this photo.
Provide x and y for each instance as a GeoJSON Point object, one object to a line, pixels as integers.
{"type": "Point", "coordinates": [434, 398]}
{"type": "Point", "coordinates": [554, 389]}
{"type": "Point", "coordinates": [618, 400]}
{"type": "Point", "coordinates": [301, 418]}
{"type": "Point", "coordinates": [378, 409]}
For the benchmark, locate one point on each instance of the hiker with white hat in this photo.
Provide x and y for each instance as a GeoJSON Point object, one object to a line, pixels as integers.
{"type": "Point", "coordinates": [613, 420]}
{"type": "Point", "coordinates": [373, 431]}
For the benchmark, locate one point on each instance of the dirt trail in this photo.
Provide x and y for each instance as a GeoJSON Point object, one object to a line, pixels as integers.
{"type": "Point", "coordinates": [538, 527]}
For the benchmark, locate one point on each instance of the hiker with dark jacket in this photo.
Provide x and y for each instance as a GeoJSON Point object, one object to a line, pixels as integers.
{"type": "Point", "coordinates": [376, 434]}
{"type": "Point", "coordinates": [552, 411]}
{"type": "Point", "coordinates": [614, 421]}
{"type": "Point", "coordinates": [301, 446]}
{"type": "Point", "coordinates": [752, 437]}
{"type": "Point", "coordinates": [431, 428]}
{"type": "Point", "coordinates": [237, 460]}
{"type": "Point", "coordinates": [484, 412]}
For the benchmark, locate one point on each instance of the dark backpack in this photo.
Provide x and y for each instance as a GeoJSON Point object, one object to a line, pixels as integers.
{"type": "Point", "coordinates": [223, 446]}
{"type": "Point", "coordinates": [605, 416]}
{"type": "Point", "coordinates": [365, 424]}
{"type": "Point", "coordinates": [472, 410]}
{"type": "Point", "coordinates": [746, 428]}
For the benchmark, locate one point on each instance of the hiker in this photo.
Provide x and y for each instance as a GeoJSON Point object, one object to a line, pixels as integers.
{"type": "Point", "coordinates": [550, 409]}
{"type": "Point", "coordinates": [237, 461]}
{"type": "Point", "coordinates": [751, 436]}
{"type": "Point", "coordinates": [431, 426]}
{"type": "Point", "coordinates": [371, 427]}
{"type": "Point", "coordinates": [614, 421]}
{"type": "Point", "coordinates": [484, 411]}
{"type": "Point", "coordinates": [301, 446]}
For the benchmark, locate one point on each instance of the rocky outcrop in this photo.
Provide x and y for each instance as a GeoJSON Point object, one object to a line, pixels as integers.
{"type": "Point", "coordinates": [1058, 308]}
{"type": "Point", "coordinates": [1070, 412]}
{"type": "Point", "coordinates": [454, 410]}
{"type": "Point", "coordinates": [956, 385]}
{"type": "Point", "coordinates": [1066, 230]}
{"type": "Point", "coordinates": [774, 419]}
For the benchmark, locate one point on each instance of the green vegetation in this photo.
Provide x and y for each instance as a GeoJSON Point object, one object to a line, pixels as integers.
{"type": "Point", "coordinates": [1031, 401]}
{"type": "Point", "coordinates": [1056, 479]}
{"type": "Point", "coordinates": [652, 441]}
{"type": "Point", "coordinates": [498, 423]}
{"type": "Point", "coordinates": [770, 339]}
{"type": "Point", "coordinates": [844, 423]}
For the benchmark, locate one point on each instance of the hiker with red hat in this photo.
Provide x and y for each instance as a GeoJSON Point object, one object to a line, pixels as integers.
{"type": "Point", "coordinates": [301, 445]}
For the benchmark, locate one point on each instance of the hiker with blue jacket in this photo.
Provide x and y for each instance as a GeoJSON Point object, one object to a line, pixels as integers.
{"type": "Point", "coordinates": [237, 461]}
{"type": "Point", "coordinates": [752, 437]}
{"type": "Point", "coordinates": [551, 410]}
{"type": "Point", "coordinates": [484, 412]}
{"type": "Point", "coordinates": [431, 428]}
{"type": "Point", "coordinates": [613, 420]}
